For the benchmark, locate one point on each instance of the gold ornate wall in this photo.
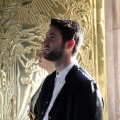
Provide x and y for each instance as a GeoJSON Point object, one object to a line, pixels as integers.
{"type": "Point", "coordinates": [23, 24]}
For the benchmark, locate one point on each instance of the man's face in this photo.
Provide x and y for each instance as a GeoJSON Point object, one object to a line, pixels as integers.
{"type": "Point", "coordinates": [53, 46]}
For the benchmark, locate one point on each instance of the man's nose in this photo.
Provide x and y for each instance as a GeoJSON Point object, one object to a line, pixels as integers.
{"type": "Point", "coordinates": [45, 43]}
{"type": "Point", "coordinates": [46, 39]}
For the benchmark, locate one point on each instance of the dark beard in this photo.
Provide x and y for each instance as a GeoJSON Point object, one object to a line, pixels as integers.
{"type": "Point", "coordinates": [55, 54]}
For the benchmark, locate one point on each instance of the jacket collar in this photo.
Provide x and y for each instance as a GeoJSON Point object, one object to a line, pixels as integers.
{"type": "Point", "coordinates": [71, 72]}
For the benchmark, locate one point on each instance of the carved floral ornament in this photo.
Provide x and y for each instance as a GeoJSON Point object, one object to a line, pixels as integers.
{"type": "Point", "coordinates": [18, 14]}
{"type": "Point", "coordinates": [23, 24]}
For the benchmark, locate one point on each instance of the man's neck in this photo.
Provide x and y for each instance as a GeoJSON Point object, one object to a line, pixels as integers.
{"type": "Point", "coordinates": [60, 65]}
{"type": "Point", "coordinates": [49, 71]}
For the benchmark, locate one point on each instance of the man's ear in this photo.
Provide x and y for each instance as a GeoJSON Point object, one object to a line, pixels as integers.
{"type": "Point", "coordinates": [71, 43]}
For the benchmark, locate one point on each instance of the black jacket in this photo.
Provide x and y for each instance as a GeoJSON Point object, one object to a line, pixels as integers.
{"type": "Point", "coordinates": [79, 99]}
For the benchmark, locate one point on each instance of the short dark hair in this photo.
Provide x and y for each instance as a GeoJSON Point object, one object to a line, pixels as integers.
{"type": "Point", "coordinates": [69, 30]}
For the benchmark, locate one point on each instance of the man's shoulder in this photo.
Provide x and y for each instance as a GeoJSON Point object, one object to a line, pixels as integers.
{"type": "Point", "coordinates": [79, 73]}
{"type": "Point", "coordinates": [80, 79]}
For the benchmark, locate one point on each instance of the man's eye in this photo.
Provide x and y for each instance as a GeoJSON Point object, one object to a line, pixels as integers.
{"type": "Point", "coordinates": [52, 36]}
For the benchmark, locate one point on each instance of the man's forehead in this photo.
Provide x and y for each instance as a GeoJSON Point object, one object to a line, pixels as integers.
{"type": "Point", "coordinates": [53, 30]}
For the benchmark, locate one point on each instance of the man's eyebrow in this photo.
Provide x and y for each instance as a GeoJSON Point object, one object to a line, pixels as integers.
{"type": "Point", "coordinates": [50, 34]}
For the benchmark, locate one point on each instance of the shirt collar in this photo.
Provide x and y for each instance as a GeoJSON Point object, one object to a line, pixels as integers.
{"type": "Point", "coordinates": [61, 76]}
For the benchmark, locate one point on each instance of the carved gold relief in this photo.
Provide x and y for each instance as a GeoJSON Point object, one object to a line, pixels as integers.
{"type": "Point", "coordinates": [23, 24]}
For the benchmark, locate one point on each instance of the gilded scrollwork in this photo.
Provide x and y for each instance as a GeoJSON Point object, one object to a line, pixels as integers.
{"type": "Point", "coordinates": [23, 24]}
{"type": "Point", "coordinates": [5, 96]}
{"type": "Point", "coordinates": [18, 42]}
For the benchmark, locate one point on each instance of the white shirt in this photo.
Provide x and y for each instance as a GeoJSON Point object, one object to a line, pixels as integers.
{"type": "Point", "coordinates": [59, 82]}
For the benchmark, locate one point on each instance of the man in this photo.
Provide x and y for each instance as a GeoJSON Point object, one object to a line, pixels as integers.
{"type": "Point", "coordinates": [69, 93]}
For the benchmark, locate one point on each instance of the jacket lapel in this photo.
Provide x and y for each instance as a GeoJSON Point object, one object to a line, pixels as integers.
{"type": "Point", "coordinates": [68, 79]}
